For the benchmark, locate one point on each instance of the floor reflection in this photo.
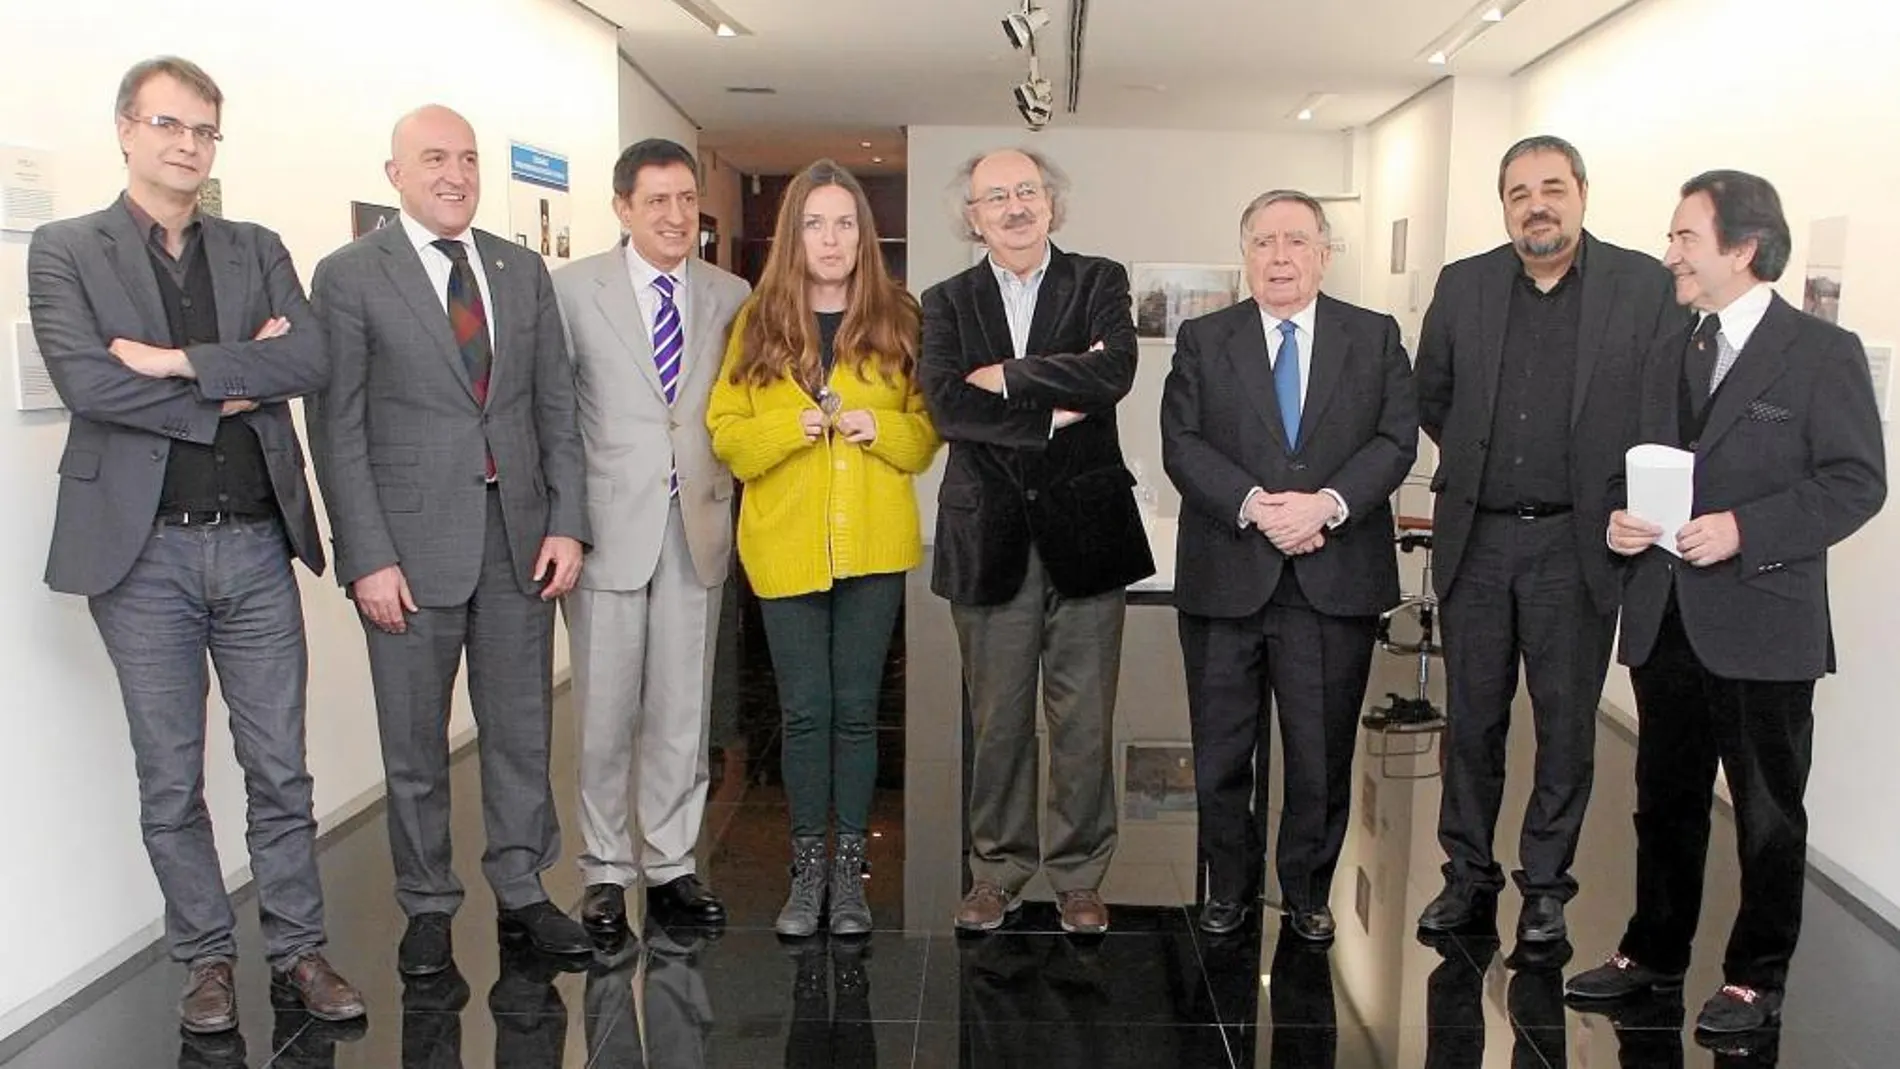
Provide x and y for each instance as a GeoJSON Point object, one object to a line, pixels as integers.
{"type": "Point", "coordinates": [1155, 993]}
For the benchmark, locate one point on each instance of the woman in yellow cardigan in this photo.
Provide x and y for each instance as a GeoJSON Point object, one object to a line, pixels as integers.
{"type": "Point", "coordinates": [817, 412]}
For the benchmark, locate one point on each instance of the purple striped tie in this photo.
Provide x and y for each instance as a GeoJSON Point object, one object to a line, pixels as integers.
{"type": "Point", "coordinates": [669, 342]}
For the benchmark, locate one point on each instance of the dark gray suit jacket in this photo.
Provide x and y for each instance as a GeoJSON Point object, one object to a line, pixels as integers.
{"type": "Point", "coordinates": [1221, 436]}
{"type": "Point", "coordinates": [90, 281]}
{"type": "Point", "coordinates": [1793, 447]}
{"type": "Point", "coordinates": [1628, 301]}
{"type": "Point", "coordinates": [398, 435]}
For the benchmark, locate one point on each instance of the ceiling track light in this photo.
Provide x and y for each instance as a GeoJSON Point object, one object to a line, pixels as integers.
{"type": "Point", "coordinates": [1469, 27]}
{"type": "Point", "coordinates": [708, 14]}
{"type": "Point", "coordinates": [1035, 98]}
{"type": "Point", "coordinates": [1309, 106]}
{"type": "Point", "coordinates": [1021, 26]}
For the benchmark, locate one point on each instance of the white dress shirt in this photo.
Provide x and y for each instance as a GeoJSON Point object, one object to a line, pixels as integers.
{"type": "Point", "coordinates": [1019, 300]}
{"type": "Point", "coordinates": [1302, 343]}
{"type": "Point", "coordinates": [437, 265]}
{"type": "Point", "coordinates": [1303, 347]}
{"type": "Point", "coordinates": [644, 274]}
{"type": "Point", "coordinates": [1739, 321]}
{"type": "Point", "coordinates": [1019, 307]}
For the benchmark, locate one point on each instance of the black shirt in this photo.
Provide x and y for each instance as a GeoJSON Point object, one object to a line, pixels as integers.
{"type": "Point", "coordinates": [1528, 462]}
{"type": "Point", "coordinates": [229, 475]}
{"type": "Point", "coordinates": [828, 324]}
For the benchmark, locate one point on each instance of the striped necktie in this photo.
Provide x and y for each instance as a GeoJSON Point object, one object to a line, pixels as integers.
{"type": "Point", "coordinates": [469, 320]}
{"type": "Point", "coordinates": [669, 343]}
{"type": "Point", "coordinates": [669, 340]}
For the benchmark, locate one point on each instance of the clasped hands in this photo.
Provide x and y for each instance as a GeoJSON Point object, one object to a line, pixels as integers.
{"type": "Point", "coordinates": [1705, 540]}
{"type": "Point", "coordinates": [156, 363]}
{"type": "Point", "coordinates": [858, 425]}
{"type": "Point", "coordinates": [1294, 522]}
{"type": "Point", "coordinates": [989, 379]}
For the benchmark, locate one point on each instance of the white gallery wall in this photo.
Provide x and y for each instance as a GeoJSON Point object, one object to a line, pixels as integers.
{"type": "Point", "coordinates": [1807, 98]}
{"type": "Point", "coordinates": [311, 95]}
{"type": "Point", "coordinates": [1147, 196]}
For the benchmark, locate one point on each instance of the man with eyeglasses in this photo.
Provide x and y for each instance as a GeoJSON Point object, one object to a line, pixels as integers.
{"type": "Point", "coordinates": [1025, 356]}
{"type": "Point", "coordinates": [177, 341]}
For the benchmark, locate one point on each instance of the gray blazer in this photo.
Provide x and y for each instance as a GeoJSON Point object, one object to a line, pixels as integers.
{"type": "Point", "coordinates": [631, 432]}
{"type": "Point", "coordinates": [399, 438]}
{"type": "Point", "coordinates": [90, 280]}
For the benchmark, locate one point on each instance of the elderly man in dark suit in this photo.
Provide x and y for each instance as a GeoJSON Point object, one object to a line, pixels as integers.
{"type": "Point", "coordinates": [1725, 621]}
{"type": "Point", "coordinates": [1025, 356]}
{"type": "Point", "coordinates": [449, 453]}
{"type": "Point", "coordinates": [1527, 380]}
{"type": "Point", "coordinates": [177, 340]}
{"type": "Point", "coordinates": [1287, 422]}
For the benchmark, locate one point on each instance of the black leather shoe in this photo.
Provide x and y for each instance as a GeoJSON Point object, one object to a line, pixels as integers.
{"type": "Point", "coordinates": [1736, 1010]}
{"type": "Point", "coordinates": [604, 910]}
{"type": "Point", "coordinates": [1619, 978]}
{"type": "Point", "coordinates": [547, 929]}
{"type": "Point", "coordinates": [1219, 916]}
{"type": "Point", "coordinates": [426, 948]}
{"type": "Point", "coordinates": [1312, 925]}
{"type": "Point", "coordinates": [1542, 920]}
{"type": "Point", "coordinates": [1458, 907]}
{"type": "Point", "coordinates": [686, 900]}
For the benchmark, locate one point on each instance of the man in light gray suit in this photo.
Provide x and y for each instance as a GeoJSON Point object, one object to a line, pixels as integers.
{"type": "Point", "coordinates": [450, 461]}
{"type": "Point", "coordinates": [176, 339]}
{"type": "Point", "coordinates": [648, 323]}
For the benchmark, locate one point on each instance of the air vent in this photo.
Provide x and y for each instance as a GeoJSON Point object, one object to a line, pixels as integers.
{"type": "Point", "coordinates": [753, 90]}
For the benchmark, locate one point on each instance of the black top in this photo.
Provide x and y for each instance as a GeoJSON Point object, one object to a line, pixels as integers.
{"type": "Point", "coordinates": [828, 324]}
{"type": "Point", "coordinates": [1528, 462]}
{"type": "Point", "coordinates": [229, 475]}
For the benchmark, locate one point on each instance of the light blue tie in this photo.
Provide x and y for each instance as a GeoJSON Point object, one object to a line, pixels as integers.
{"type": "Point", "coordinates": [1286, 383]}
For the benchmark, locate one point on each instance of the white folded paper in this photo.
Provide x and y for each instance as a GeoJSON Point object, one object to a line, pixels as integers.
{"type": "Point", "coordinates": [1661, 482]}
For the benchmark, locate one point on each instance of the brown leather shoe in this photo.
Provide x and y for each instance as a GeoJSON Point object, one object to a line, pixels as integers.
{"type": "Point", "coordinates": [324, 994]}
{"type": "Point", "coordinates": [210, 1000]}
{"type": "Point", "coordinates": [1083, 912]}
{"type": "Point", "coordinates": [985, 908]}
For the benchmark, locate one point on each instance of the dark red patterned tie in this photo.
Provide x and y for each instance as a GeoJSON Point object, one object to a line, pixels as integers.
{"type": "Point", "coordinates": [469, 320]}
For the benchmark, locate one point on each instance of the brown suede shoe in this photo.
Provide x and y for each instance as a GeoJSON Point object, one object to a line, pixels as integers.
{"type": "Point", "coordinates": [210, 1000]}
{"type": "Point", "coordinates": [985, 908]}
{"type": "Point", "coordinates": [1083, 912]}
{"type": "Point", "coordinates": [324, 994]}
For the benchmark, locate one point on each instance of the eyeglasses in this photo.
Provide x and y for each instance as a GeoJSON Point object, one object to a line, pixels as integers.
{"type": "Point", "coordinates": [204, 134]}
{"type": "Point", "coordinates": [997, 196]}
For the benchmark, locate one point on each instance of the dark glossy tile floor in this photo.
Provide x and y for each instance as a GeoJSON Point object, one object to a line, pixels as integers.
{"type": "Point", "coordinates": [1154, 994]}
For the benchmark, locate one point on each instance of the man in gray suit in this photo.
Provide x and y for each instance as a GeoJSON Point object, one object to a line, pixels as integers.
{"type": "Point", "coordinates": [648, 324]}
{"type": "Point", "coordinates": [177, 340]}
{"type": "Point", "coordinates": [450, 461]}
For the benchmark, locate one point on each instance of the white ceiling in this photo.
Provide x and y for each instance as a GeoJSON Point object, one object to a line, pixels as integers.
{"type": "Point", "coordinates": [848, 71]}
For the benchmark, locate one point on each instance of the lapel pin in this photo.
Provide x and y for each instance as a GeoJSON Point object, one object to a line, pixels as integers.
{"type": "Point", "coordinates": [499, 266]}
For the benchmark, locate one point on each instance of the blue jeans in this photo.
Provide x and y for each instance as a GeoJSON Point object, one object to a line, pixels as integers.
{"type": "Point", "coordinates": [228, 591]}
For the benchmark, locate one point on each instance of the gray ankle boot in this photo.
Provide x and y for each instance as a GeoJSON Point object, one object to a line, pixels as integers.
{"type": "Point", "coordinates": [849, 913]}
{"type": "Point", "coordinates": [807, 900]}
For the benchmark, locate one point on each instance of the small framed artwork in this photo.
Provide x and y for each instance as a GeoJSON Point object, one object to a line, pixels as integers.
{"type": "Point", "coordinates": [1158, 781]}
{"type": "Point", "coordinates": [1400, 231]}
{"type": "Point", "coordinates": [1167, 295]}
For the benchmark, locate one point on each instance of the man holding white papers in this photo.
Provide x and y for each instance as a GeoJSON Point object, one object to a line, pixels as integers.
{"type": "Point", "coordinates": [1528, 373]}
{"type": "Point", "coordinates": [1726, 638]}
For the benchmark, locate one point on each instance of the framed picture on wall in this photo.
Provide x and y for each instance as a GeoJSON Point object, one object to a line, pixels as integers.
{"type": "Point", "coordinates": [1158, 781]}
{"type": "Point", "coordinates": [1167, 295]}
{"type": "Point", "coordinates": [708, 238]}
{"type": "Point", "coordinates": [1400, 231]}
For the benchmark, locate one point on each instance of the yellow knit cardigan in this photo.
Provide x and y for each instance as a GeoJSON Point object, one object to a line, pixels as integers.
{"type": "Point", "coordinates": [831, 509]}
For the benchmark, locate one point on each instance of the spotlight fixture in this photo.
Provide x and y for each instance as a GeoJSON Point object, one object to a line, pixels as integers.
{"type": "Point", "coordinates": [1021, 26]}
{"type": "Point", "coordinates": [1036, 99]}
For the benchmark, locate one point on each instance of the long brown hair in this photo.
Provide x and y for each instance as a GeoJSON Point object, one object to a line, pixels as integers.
{"type": "Point", "coordinates": [881, 321]}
